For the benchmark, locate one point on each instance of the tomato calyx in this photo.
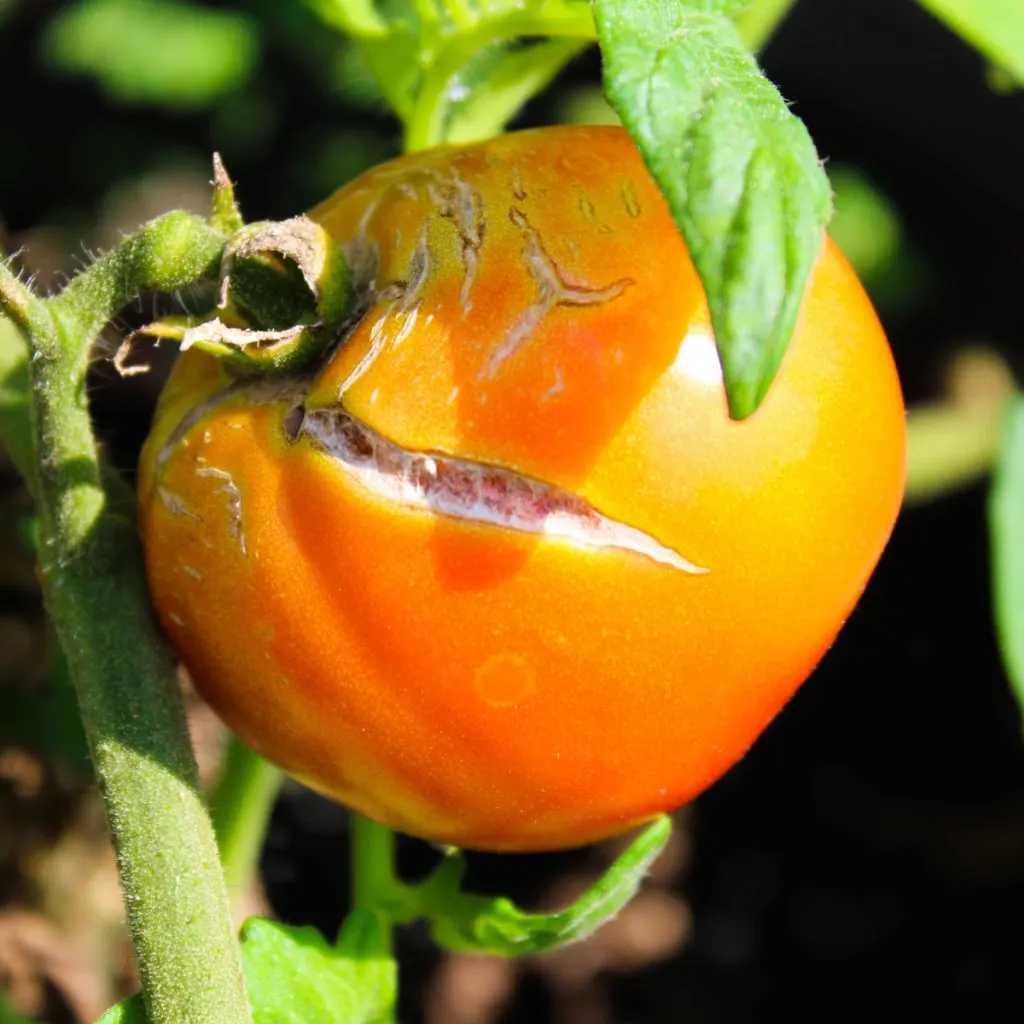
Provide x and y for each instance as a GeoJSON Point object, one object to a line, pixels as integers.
{"type": "Point", "coordinates": [285, 294]}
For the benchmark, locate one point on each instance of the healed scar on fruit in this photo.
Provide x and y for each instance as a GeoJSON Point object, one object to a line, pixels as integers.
{"type": "Point", "coordinates": [456, 200]}
{"type": "Point", "coordinates": [552, 290]}
{"type": "Point", "coordinates": [234, 501]}
{"type": "Point", "coordinates": [629, 198]}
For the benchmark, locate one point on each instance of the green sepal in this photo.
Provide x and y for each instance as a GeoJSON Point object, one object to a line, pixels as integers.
{"type": "Point", "coordinates": [469, 923]}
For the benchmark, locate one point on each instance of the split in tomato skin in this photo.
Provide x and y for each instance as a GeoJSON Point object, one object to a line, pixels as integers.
{"type": "Point", "coordinates": [501, 572]}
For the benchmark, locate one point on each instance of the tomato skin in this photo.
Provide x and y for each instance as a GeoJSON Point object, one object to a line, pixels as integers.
{"type": "Point", "coordinates": [530, 306]}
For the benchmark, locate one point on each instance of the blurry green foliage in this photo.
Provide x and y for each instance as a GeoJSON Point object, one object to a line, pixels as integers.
{"type": "Point", "coordinates": [354, 78]}
{"type": "Point", "coordinates": [340, 158]}
{"type": "Point", "coordinates": [48, 720]}
{"type": "Point", "coordinates": [584, 104]}
{"type": "Point", "coordinates": [865, 223]}
{"type": "Point", "coordinates": [177, 54]}
{"type": "Point", "coordinates": [14, 393]}
{"type": "Point", "coordinates": [867, 227]}
{"type": "Point", "coordinates": [995, 28]}
{"type": "Point", "coordinates": [1006, 521]}
{"type": "Point", "coordinates": [7, 1013]}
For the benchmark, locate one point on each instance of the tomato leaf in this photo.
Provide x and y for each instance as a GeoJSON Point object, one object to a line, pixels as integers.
{"type": "Point", "coordinates": [995, 28]}
{"type": "Point", "coordinates": [1006, 523]}
{"type": "Point", "coordinates": [294, 975]}
{"type": "Point", "coordinates": [131, 1011]}
{"type": "Point", "coordinates": [480, 924]}
{"type": "Point", "coordinates": [739, 171]}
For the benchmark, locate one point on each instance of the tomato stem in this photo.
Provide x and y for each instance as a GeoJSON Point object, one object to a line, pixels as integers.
{"type": "Point", "coordinates": [375, 886]}
{"type": "Point", "coordinates": [95, 590]}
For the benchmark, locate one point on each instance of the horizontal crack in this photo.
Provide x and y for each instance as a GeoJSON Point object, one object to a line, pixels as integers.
{"type": "Point", "coordinates": [475, 491]}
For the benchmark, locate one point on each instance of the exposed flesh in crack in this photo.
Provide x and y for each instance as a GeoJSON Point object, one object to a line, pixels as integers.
{"type": "Point", "coordinates": [432, 481]}
{"type": "Point", "coordinates": [475, 491]}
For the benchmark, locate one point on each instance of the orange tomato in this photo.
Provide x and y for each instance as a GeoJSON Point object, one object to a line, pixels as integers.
{"type": "Point", "coordinates": [501, 572]}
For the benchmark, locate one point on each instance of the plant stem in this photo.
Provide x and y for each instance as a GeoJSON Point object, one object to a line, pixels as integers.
{"type": "Point", "coordinates": [94, 584]}
{"type": "Point", "coordinates": [374, 883]}
{"type": "Point", "coordinates": [759, 22]}
{"type": "Point", "coordinates": [241, 807]}
{"type": "Point", "coordinates": [425, 119]}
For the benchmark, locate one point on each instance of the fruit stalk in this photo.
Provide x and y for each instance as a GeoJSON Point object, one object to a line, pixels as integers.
{"type": "Point", "coordinates": [124, 674]}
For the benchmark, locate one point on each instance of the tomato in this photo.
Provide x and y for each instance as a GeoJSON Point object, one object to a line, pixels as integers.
{"type": "Point", "coordinates": [500, 571]}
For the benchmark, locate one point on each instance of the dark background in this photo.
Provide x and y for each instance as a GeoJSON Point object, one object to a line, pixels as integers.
{"type": "Point", "coordinates": [867, 857]}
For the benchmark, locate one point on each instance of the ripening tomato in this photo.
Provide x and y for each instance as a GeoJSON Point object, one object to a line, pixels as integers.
{"type": "Point", "coordinates": [501, 571]}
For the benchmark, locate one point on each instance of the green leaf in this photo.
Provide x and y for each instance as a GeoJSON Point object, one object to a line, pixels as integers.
{"type": "Point", "coordinates": [995, 28]}
{"type": "Point", "coordinates": [739, 171]}
{"type": "Point", "coordinates": [1006, 523]}
{"type": "Point", "coordinates": [173, 53]}
{"type": "Point", "coordinates": [480, 924]}
{"type": "Point", "coordinates": [514, 78]}
{"type": "Point", "coordinates": [294, 976]}
{"type": "Point", "coordinates": [8, 1015]}
{"type": "Point", "coordinates": [131, 1011]}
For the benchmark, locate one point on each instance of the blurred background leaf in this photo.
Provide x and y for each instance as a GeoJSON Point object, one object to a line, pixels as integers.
{"type": "Point", "coordinates": [155, 51]}
{"type": "Point", "coordinates": [993, 27]}
{"type": "Point", "coordinates": [1006, 520]}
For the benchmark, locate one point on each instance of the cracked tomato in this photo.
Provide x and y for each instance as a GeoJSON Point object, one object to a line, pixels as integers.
{"type": "Point", "coordinates": [500, 571]}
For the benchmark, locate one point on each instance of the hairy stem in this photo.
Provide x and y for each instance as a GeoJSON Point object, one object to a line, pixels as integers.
{"type": "Point", "coordinates": [95, 589]}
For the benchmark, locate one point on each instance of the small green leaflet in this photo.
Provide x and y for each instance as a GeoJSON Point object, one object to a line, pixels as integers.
{"type": "Point", "coordinates": [739, 171]}
{"type": "Point", "coordinates": [295, 976]}
{"type": "Point", "coordinates": [1006, 524]}
{"type": "Point", "coordinates": [479, 924]}
{"type": "Point", "coordinates": [995, 28]}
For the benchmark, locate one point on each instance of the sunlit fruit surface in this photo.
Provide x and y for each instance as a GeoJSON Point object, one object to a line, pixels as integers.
{"type": "Point", "coordinates": [500, 571]}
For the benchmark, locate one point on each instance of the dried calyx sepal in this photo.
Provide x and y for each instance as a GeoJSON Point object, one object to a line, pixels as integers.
{"type": "Point", "coordinates": [285, 290]}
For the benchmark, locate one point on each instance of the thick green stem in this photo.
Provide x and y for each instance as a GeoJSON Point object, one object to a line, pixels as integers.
{"type": "Point", "coordinates": [241, 807]}
{"type": "Point", "coordinates": [125, 677]}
